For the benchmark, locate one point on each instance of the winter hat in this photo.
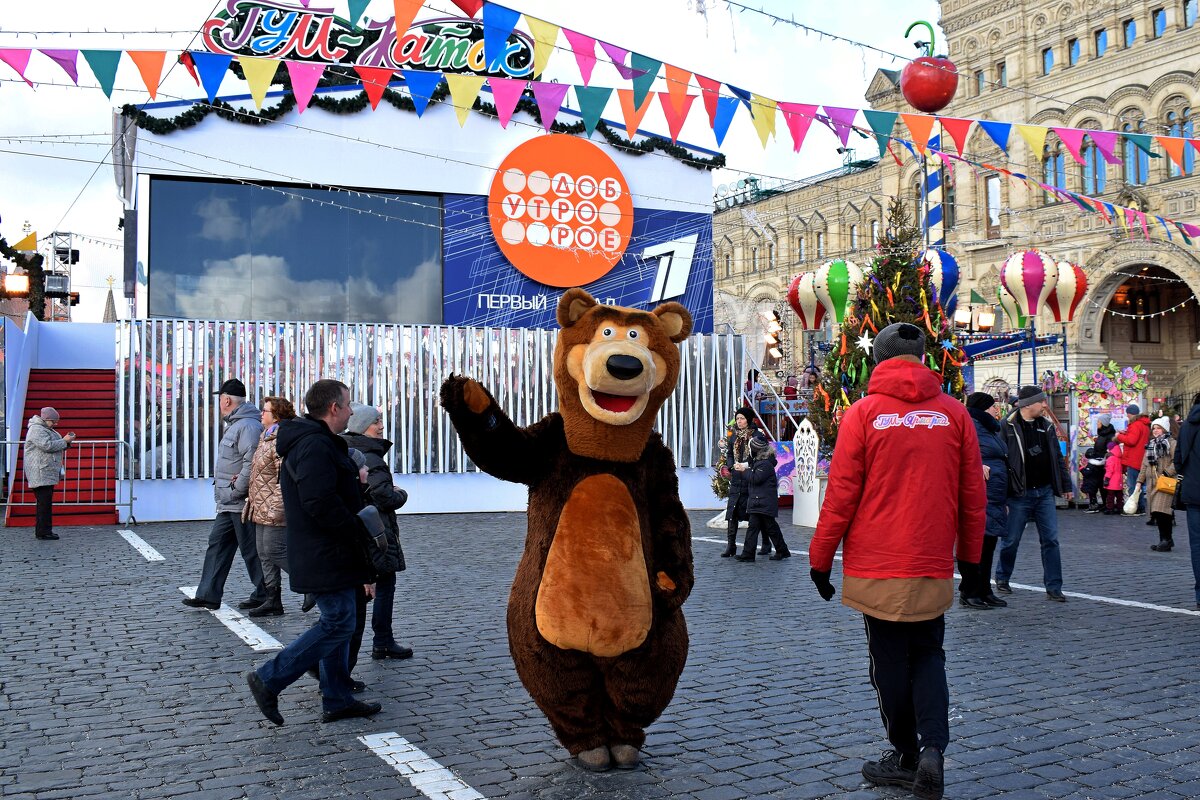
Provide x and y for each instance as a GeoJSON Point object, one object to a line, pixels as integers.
{"type": "Point", "coordinates": [899, 339]}
{"type": "Point", "coordinates": [1113, 446]}
{"type": "Point", "coordinates": [759, 446]}
{"type": "Point", "coordinates": [1104, 419]}
{"type": "Point", "coordinates": [1132, 410]}
{"type": "Point", "coordinates": [49, 414]}
{"type": "Point", "coordinates": [980, 401]}
{"type": "Point", "coordinates": [362, 417]}
{"type": "Point", "coordinates": [357, 457]}
{"type": "Point", "coordinates": [1029, 395]}
{"type": "Point", "coordinates": [748, 413]}
{"type": "Point", "coordinates": [232, 387]}
{"type": "Point", "coordinates": [1162, 422]}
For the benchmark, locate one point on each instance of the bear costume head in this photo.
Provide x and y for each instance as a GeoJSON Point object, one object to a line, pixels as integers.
{"type": "Point", "coordinates": [614, 367]}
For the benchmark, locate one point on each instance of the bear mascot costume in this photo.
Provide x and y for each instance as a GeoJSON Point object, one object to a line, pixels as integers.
{"type": "Point", "coordinates": [595, 624]}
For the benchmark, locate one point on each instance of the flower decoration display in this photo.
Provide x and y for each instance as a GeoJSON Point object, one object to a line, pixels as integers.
{"type": "Point", "coordinates": [1108, 387]}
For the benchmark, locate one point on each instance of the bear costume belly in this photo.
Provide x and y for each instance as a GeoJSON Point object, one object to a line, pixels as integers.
{"type": "Point", "coordinates": [594, 594]}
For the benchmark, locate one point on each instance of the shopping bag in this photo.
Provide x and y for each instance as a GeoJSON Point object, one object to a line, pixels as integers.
{"type": "Point", "coordinates": [1131, 504]}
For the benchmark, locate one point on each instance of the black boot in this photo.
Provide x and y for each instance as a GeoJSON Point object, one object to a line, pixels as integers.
{"type": "Point", "coordinates": [731, 539]}
{"type": "Point", "coordinates": [273, 607]}
{"type": "Point", "coordinates": [1163, 546]}
{"type": "Point", "coordinates": [310, 600]}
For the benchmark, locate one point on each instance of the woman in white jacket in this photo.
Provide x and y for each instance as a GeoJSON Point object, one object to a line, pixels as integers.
{"type": "Point", "coordinates": [44, 450]}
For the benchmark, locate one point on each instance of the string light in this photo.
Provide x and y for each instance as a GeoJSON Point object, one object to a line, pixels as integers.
{"type": "Point", "coordinates": [1162, 313]}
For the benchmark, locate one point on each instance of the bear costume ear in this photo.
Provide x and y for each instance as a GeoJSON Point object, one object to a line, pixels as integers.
{"type": "Point", "coordinates": [573, 305]}
{"type": "Point", "coordinates": [675, 319]}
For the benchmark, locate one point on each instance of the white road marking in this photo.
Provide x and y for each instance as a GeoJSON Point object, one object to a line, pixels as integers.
{"type": "Point", "coordinates": [140, 545]}
{"type": "Point", "coordinates": [1116, 601]}
{"type": "Point", "coordinates": [426, 775]}
{"type": "Point", "coordinates": [258, 639]}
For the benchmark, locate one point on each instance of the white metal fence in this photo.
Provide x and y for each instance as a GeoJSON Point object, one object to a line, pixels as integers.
{"type": "Point", "coordinates": [168, 370]}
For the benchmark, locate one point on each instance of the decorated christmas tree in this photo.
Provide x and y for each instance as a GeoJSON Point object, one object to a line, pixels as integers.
{"type": "Point", "coordinates": [895, 287]}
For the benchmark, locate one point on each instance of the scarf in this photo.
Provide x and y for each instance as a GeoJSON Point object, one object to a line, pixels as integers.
{"type": "Point", "coordinates": [741, 445]}
{"type": "Point", "coordinates": [1159, 445]}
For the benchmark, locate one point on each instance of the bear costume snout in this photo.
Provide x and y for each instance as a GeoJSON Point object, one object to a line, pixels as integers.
{"type": "Point", "coordinates": [623, 367]}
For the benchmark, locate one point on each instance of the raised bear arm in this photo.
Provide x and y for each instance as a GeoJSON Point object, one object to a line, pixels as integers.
{"type": "Point", "coordinates": [494, 443]}
{"type": "Point", "coordinates": [671, 533]}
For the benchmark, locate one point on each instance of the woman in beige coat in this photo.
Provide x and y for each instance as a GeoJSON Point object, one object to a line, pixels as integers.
{"type": "Point", "coordinates": [1159, 461]}
{"type": "Point", "coordinates": [264, 506]}
{"type": "Point", "coordinates": [44, 453]}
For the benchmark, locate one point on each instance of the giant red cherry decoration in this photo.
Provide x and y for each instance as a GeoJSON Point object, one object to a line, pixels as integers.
{"type": "Point", "coordinates": [928, 82]}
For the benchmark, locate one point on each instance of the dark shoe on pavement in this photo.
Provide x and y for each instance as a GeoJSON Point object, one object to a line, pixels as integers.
{"type": "Point", "coordinates": [271, 608]}
{"type": "Point", "coordinates": [891, 770]}
{"type": "Point", "coordinates": [196, 602]}
{"type": "Point", "coordinates": [358, 708]}
{"type": "Point", "coordinates": [929, 783]}
{"type": "Point", "coordinates": [357, 687]}
{"type": "Point", "coordinates": [745, 558]}
{"type": "Point", "coordinates": [249, 603]}
{"type": "Point", "coordinates": [392, 650]}
{"type": "Point", "coordinates": [268, 702]}
{"type": "Point", "coordinates": [1093, 510]}
{"type": "Point", "coordinates": [47, 537]}
{"type": "Point", "coordinates": [993, 601]}
{"type": "Point", "coordinates": [625, 756]}
{"type": "Point", "coordinates": [1056, 595]}
{"type": "Point", "coordinates": [973, 602]}
{"type": "Point", "coordinates": [729, 551]}
{"type": "Point", "coordinates": [1003, 588]}
{"type": "Point", "coordinates": [1162, 547]}
{"type": "Point", "coordinates": [780, 556]}
{"type": "Point", "coordinates": [310, 600]}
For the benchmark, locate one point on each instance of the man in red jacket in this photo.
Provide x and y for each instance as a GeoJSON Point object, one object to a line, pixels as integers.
{"type": "Point", "coordinates": [899, 536]}
{"type": "Point", "coordinates": [1133, 448]}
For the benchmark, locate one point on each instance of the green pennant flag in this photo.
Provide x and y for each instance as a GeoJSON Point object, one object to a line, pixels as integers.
{"type": "Point", "coordinates": [357, 7]}
{"type": "Point", "coordinates": [592, 100]}
{"type": "Point", "coordinates": [977, 298]}
{"type": "Point", "coordinates": [1142, 142]}
{"type": "Point", "coordinates": [648, 69]}
{"type": "Point", "coordinates": [881, 123]}
{"type": "Point", "coordinates": [104, 65]}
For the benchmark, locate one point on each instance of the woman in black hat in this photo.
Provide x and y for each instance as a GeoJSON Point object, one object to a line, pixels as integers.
{"type": "Point", "coordinates": [737, 451]}
{"type": "Point", "coordinates": [976, 592]}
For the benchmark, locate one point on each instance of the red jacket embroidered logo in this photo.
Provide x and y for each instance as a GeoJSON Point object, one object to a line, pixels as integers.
{"type": "Point", "coordinates": [913, 419]}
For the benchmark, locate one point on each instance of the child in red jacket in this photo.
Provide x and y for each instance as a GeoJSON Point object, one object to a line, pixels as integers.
{"type": "Point", "coordinates": [1113, 474]}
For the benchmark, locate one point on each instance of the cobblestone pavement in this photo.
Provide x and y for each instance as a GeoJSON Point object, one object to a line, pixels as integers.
{"type": "Point", "coordinates": [112, 688]}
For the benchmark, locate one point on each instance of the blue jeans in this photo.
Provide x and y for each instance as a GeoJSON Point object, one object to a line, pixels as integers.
{"type": "Point", "coordinates": [1193, 526]}
{"type": "Point", "coordinates": [229, 534]}
{"type": "Point", "coordinates": [1131, 475]}
{"type": "Point", "coordinates": [381, 612]}
{"type": "Point", "coordinates": [327, 643]}
{"type": "Point", "coordinates": [1038, 505]}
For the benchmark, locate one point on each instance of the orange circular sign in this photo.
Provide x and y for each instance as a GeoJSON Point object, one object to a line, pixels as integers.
{"type": "Point", "coordinates": [561, 210]}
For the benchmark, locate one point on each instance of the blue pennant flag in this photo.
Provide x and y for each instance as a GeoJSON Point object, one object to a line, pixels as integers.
{"type": "Point", "coordinates": [998, 131]}
{"type": "Point", "coordinates": [212, 68]}
{"type": "Point", "coordinates": [421, 86]}
{"type": "Point", "coordinates": [498, 24]}
{"type": "Point", "coordinates": [726, 108]}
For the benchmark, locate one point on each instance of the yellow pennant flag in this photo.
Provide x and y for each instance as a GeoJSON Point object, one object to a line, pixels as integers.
{"type": "Point", "coordinates": [149, 64]}
{"type": "Point", "coordinates": [463, 91]}
{"type": "Point", "coordinates": [259, 73]}
{"type": "Point", "coordinates": [545, 36]}
{"type": "Point", "coordinates": [28, 244]}
{"type": "Point", "coordinates": [1035, 137]}
{"type": "Point", "coordinates": [763, 111]}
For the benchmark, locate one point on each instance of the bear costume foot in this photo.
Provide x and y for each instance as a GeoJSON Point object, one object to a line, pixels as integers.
{"type": "Point", "coordinates": [595, 760]}
{"type": "Point", "coordinates": [625, 756]}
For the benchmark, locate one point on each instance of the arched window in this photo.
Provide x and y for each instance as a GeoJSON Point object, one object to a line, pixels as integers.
{"type": "Point", "coordinates": [1137, 163]}
{"type": "Point", "coordinates": [1093, 168]}
{"type": "Point", "coordinates": [874, 232]}
{"type": "Point", "coordinates": [1179, 121]}
{"type": "Point", "coordinates": [728, 266]}
{"type": "Point", "coordinates": [770, 255]}
{"type": "Point", "coordinates": [1053, 170]}
{"type": "Point", "coordinates": [853, 237]}
{"type": "Point", "coordinates": [949, 199]}
{"type": "Point", "coordinates": [754, 259]}
{"type": "Point", "coordinates": [820, 245]}
{"type": "Point", "coordinates": [800, 248]}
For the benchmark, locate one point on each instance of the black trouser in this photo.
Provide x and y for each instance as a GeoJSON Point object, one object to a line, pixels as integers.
{"type": "Point", "coordinates": [771, 533]}
{"type": "Point", "coordinates": [908, 671]}
{"type": "Point", "coordinates": [43, 522]}
{"type": "Point", "coordinates": [360, 625]}
{"type": "Point", "coordinates": [1165, 523]}
{"type": "Point", "coordinates": [980, 585]}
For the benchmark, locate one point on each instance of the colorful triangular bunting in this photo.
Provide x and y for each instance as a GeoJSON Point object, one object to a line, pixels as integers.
{"type": "Point", "coordinates": [375, 81]}
{"type": "Point", "coordinates": [998, 132]}
{"type": "Point", "coordinates": [710, 90]}
{"type": "Point", "coordinates": [1107, 142]}
{"type": "Point", "coordinates": [545, 36]}
{"type": "Point", "coordinates": [18, 59]}
{"type": "Point", "coordinates": [632, 113]}
{"type": "Point", "coordinates": [919, 126]}
{"type": "Point", "coordinates": [762, 111]}
{"type": "Point", "coordinates": [645, 73]}
{"type": "Point", "coordinates": [421, 86]}
{"type": "Point", "coordinates": [104, 65]}
{"type": "Point", "coordinates": [305, 76]}
{"type": "Point", "coordinates": [507, 93]}
{"type": "Point", "coordinates": [1035, 138]}
{"type": "Point", "coordinates": [1142, 142]}
{"type": "Point", "coordinates": [464, 90]}
{"type": "Point", "coordinates": [618, 55]}
{"type": "Point", "coordinates": [881, 123]}
{"type": "Point", "coordinates": [842, 120]}
{"type": "Point", "coordinates": [1174, 148]}
{"type": "Point", "coordinates": [406, 12]}
{"type": "Point", "coordinates": [259, 73]}
{"type": "Point", "coordinates": [149, 64]}
{"type": "Point", "coordinates": [469, 7]}
{"type": "Point", "coordinates": [584, 48]}
{"type": "Point", "coordinates": [498, 24]}
{"type": "Point", "coordinates": [1072, 138]}
{"type": "Point", "coordinates": [211, 68]}
{"type": "Point", "coordinates": [68, 60]}
{"type": "Point", "coordinates": [357, 7]}
{"type": "Point", "coordinates": [726, 108]}
{"type": "Point", "coordinates": [958, 130]}
{"type": "Point", "coordinates": [675, 117]}
{"type": "Point", "coordinates": [798, 117]}
{"type": "Point", "coordinates": [549, 97]}
{"type": "Point", "coordinates": [677, 87]}
{"type": "Point", "coordinates": [592, 100]}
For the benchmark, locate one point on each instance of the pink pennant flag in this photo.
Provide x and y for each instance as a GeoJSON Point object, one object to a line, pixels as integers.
{"type": "Point", "coordinates": [843, 121]}
{"type": "Point", "coordinates": [68, 60]}
{"type": "Point", "coordinates": [549, 97]}
{"type": "Point", "coordinates": [618, 56]}
{"type": "Point", "coordinates": [1073, 139]}
{"type": "Point", "coordinates": [710, 90]}
{"type": "Point", "coordinates": [1130, 218]}
{"type": "Point", "coordinates": [305, 3]}
{"type": "Point", "coordinates": [1107, 142]}
{"type": "Point", "coordinates": [798, 117]}
{"type": "Point", "coordinates": [1141, 218]}
{"type": "Point", "coordinates": [675, 116]}
{"type": "Point", "coordinates": [507, 93]}
{"type": "Point", "coordinates": [305, 76]}
{"type": "Point", "coordinates": [1191, 230]}
{"type": "Point", "coordinates": [584, 48]}
{"type": "Point", "coordinates": [18, 60]}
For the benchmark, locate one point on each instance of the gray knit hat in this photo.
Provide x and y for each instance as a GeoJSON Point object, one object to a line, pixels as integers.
{"type": "Point", "coordinates": [1104, 419]}
{"type": "Point", "coordinates": [49, 413]}
{"type": "Point", "coordinates": [899, 339]}
{"type": "Point", "coordinates": [362, 417]}
{"type": "Point", "coordinates": [1030, 395]}
{"type": "Point", "coordinates": [357, 457]}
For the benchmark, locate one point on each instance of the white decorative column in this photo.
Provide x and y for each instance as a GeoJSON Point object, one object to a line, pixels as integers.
{"type": "Point", "coordinates": [806, 489]}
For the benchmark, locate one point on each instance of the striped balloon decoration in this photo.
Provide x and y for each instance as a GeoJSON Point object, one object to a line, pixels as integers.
{"type": "Point", "coordinates": [836, 285]}
{"type": "Point", "coordinates": [1009, 303]}
{"type": "Point", "coordinates": [1068, 292]}
{"type": "Point", "coordinates": [943, 273]}
{"type": "Point", "coordinates": [1029, 276]}
{"type": "Point", "coordinates": [802, 297]}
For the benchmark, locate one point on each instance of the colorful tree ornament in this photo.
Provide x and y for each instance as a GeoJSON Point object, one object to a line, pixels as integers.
{"type": "Point", "coordinates": [1029, 276]}
{"type": "Point", "coordinates": [928, 82]}
{"type": "Point", "coordinates": [943, 273]}
{"type": "Point", "coordinates": [1068, 292]}
{"type": "Point", "coordinates": [802, 297]}
{"type": "Point", "coordinates": [1011, 310]}
{"type": "Point", "coordinates": [836, 285]}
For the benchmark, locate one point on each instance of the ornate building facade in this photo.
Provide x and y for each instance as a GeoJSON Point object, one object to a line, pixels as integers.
{"type": "Point", "coordinates": [1116, 65]}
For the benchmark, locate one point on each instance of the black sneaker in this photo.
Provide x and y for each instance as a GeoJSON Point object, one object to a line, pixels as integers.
{"type": "Point", "coordinates": [250, 603]}
{"type": "Point", "coordinates": [893, 769]}
{"type": "Point", "coordinates": [392, 650]}
{"type": "Point", "coordinates": [1003, 588]}
{"type": "Point", "coordinates": [1056, 595]}
{"type": "Point", "coordinates": [356, 709]}
{"type": "Point", "coordinates": [195, 602]}
{"type": "Point", "coordinates": [268, 703]}
{"type": "Point", "coordinates": [929, 784]}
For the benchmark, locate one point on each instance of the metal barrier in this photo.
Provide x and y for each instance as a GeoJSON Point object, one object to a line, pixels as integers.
{"type": "Point", "coordinates": [91, 477]}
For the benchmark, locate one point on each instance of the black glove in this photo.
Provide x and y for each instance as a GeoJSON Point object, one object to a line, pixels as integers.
{"type": "Point", "coordinates": [821, 580]}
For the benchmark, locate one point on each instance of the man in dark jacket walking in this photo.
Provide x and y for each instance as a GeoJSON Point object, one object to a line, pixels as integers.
{"type": "Point", "coordinates": [327, 553]}
{"type": "Point", "coordinates": [231, 485]}
{"type": "Point", "coordinates": [1187, 464]}
{"type": "Point", "coordinates": [1036, 475]}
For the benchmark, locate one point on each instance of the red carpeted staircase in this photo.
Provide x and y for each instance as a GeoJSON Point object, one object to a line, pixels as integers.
{"type": "Point", "coordinates": [86, 400]}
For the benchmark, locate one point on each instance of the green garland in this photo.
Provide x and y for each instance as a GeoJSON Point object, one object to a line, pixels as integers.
{"type": "Point", "coordinates": [37, 277]}
{"type": "Point", "coordinates": [355, 104]}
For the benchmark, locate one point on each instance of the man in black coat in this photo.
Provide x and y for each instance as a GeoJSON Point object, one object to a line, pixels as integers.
{"type": "Point", "coordinates": [326, 552]}
{"type": "Point", "coordinates": [1187, 464]}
